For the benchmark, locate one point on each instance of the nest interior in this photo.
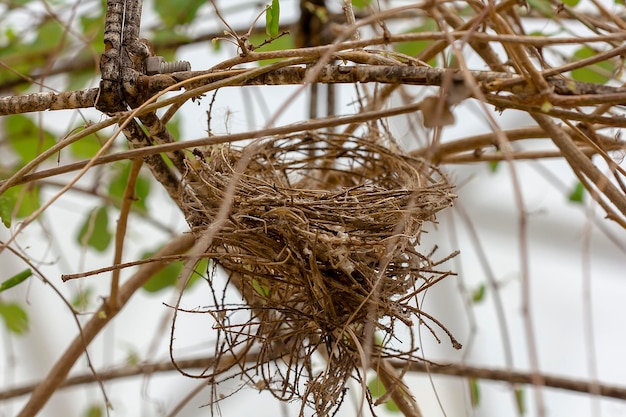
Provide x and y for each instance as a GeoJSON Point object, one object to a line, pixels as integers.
{"type": "Point", "coordinates": [321, 239]}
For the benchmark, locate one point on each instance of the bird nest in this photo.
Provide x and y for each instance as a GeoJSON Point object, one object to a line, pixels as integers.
{"type": "Point", "coordinates": [321, 242]}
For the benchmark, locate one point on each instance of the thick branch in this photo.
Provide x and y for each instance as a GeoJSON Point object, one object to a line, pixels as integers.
{"type": "Point", "coordinates": [386, 74]}
{"type": "Point", "coordinates": [580, 163]}
{"type": "Point", "coordinates": [452, 369]}
{"type": "Point", "coordinates": [37, 102]}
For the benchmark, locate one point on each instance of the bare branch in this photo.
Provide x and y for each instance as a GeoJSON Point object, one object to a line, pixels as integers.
{"type": "Point", "coordinates": [37, 102]}
{"type": "Point", "coordinates": [100, 319]}
{"type": "Point", "coordinates": [451, 369]}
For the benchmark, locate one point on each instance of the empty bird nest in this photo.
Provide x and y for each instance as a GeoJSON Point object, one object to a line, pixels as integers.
{"type": "Point", "coordinates": [321, 241]}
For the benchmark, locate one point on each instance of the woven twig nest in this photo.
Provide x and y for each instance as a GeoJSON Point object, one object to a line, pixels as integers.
{"type": "Point", "coordinates": [321, 240]}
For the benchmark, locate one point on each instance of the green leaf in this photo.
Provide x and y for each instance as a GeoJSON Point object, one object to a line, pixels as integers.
{"type": "Point", "coordinates": [49, 36]}
{"type": "Point", "coordinates": [117, 186]}
{"type": "Point", "coordinates": [26, 138]}
{"type": "Point", "coordinates": [20, 2]}
{"type": "Point", "coordinates": [272, 19]}
{"type": "Point", "coordinates": [168, 35]}
{"type": "Point", "coordinates": [474, 392]}
{"type": "Point", "coordinates": [177, 12]}
{"type": "Point", "coordinates": [478, 294]}
{"type": "Point", "coordinates": [93, 28]}
{"type": "Point", "coordinates": [262, 290]}
{"type": "Point", "coordinates": [377, 389]}
{"type": "Point", "coordinates": [94, 411]}
{"type": "Point", "coordinates": [95, 230]}
{"type": "Point", "coordinates": [278, 44]}
{"type": "Point", "coordinates": [546, 106]}
{"type": "Point", "coordinates": [216, 44]}
{"type": "Point", "coordinates": [21, 200]}
{"type": "Point", "coordinates": [571, 3]}
{"type": "Point", "coordinates": [598, 73]}
{"type": "Point", "coordinates": [86, 147]}
{"type": "Point", "coordinates": [519, 399]}
{"type": "Point", "coordinates": [14, 317]}
{"type": "Point", "coordinates": [542, 6]}
{"type": "Point", "coordinates": [391, 405]}
{"type": "Point", "coordinates": [493, 166]}
{"type": "Point", "coordinates": [81, 79]}
{"type": "Point", "coordinates": [168, 276]}
{"type": "Point", "coordinates": [16, 279]}
{"type": "Point", "coordinates": [132, 356]}
{"type": "Point", "coordinates": [578, 193]}
{"type": "Point", "coordinates": [414, 48]}
{"type": "Point", "coordinates": [82, 299]}
{"type": "Point", "coordinates": [174, 127]}
{"type": "Point", "coordinates": [6, 209]}
{"type": "Point", "coordinates": [361, 4]}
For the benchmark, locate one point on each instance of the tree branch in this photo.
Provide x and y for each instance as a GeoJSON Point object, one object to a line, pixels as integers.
{"type": "Point", "coordinates": [567, 93]}
{"type": "Point", "coordinates": [100, 319]}
{"type": "Point", "coordinates": [451, 369]}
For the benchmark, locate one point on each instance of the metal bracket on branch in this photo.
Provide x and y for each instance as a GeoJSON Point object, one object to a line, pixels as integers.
{"type": "Point", "coordinates": [158, 65]}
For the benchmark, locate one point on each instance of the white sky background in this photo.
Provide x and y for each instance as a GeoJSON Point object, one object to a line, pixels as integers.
{"type": "Point", "coordinates": [556, 240]}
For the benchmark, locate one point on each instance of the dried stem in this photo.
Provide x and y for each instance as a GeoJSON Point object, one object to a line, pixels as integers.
{"type": "Point", "coordinates": [56, 376]}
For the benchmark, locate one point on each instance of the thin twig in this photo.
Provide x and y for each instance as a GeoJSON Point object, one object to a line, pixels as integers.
{"type": "Point", "coordinates": [55, 377]}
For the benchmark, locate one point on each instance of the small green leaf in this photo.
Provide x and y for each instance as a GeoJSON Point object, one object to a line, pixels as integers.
{"type": "Point", "coordinates": [93, 28]}
{"type": "Point", "coordinates": [94, 411]}
{"type": "Point", "coordinates": [598, 73]}
{"type": "Point", "coordinates": [20, 2]}
{"type": "Point", "coordinates": [542, 6]}
{"type": "Point", "coordinates": [168, 276]}
{"type": "Point", "coordinates": [361, 4]}
{"type": "Point", "coordinates": [80, 80]}
{"type": "Point", "coordinates": [21, 201]}
{"type": "Point", "coordinates": [26, 138]}
{"type": "Point", "coordinates": [82, 299]}
{"type": "Point", "coordinates": [177, 12]}
{"type": "Point", "coordinates": [49, 35]}
{"type": "Point", "coordinates": [493, 166]}
{"type": "Point", "coordinates": [6, 210]}
{"type": "Point", "coordinates": [571, 3]}
{"type": "Point", "coordinates": [169, 35]}
{"type": "Point", "coordinates": [414, 48]}
{"type": "Point", "coordinates": [474, 392]}
{"type": "Point", "coordinates": [278, 44]}
{"type": "Point", "coordinates": [620, 2]}
{"type": "Point", "coordinates": [262, 290]}
{"type": "Point", "coordinates": [391, 405]}
{"type": "Point", "coordinates": [95, 230]}
{"type": "Point", "coordinates": [376, 387]}
{"type": "Point", "coordinates": [16, 279]}
{"type": "Point", "coordinates": [478, 294]}
{"type": "Point", "coordinates": [519, 399]}
{"type": "Point", "coordinates": [546, 106]}
{"type": "Point", "coordinates": [578, 193]}
{"type": "Point", "coordinates": [174, 127]}
{"type": "Point", "coordinates": [132, 357]}
{"type": "Point", "coordinates": [86, 147]}
{"type": "Point", "coordinates": [216, 44]}
{"type": "Point", "coordinates": [272, 19]}
{"type": "Point", "coordinates": [117, 186]}
{"type": "Point", "coordinates": [14, 317]}
{"type": "Point", "coordinates": [268, 21]}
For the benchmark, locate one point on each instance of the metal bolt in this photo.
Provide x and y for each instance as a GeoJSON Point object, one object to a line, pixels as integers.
{"type": "Point", "coordinates": [157, 65]}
